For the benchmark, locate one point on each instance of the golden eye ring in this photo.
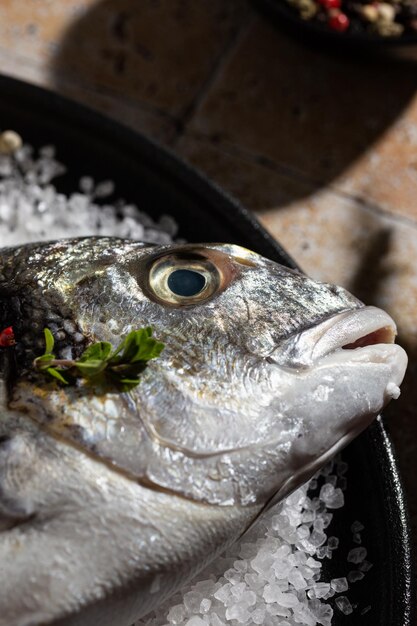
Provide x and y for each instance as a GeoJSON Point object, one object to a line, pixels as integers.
{"type": "Point", "coordinates": [181, 280]}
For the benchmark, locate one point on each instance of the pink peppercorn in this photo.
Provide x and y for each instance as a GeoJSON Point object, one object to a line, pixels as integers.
{"type": "Point", "coordinates": [7, 337]}
{"type": "Point", "coordinates": [339, 22]}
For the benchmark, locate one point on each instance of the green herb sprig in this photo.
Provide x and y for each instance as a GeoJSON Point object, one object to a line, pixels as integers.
{"type": "Point", "coordinates": [100, 365]}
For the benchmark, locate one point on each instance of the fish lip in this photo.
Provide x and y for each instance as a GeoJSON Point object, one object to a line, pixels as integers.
{"type": "Point", "coordinates": [364, 335]}
{"type": "Point", "coordinates": [347, 332]}
{"type": "Point", "coordinates": [351, 331]}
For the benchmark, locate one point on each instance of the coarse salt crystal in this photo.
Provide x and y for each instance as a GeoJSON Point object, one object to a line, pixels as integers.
{"type": "Point", "coordinates": [357, 555]}
{"type": "Point", "coordinates": [240, 566]}
{"type": "Point", "coordinates": [104, 189]}
{"type": "Point", "coordinates": [344, 605]}
{"type": "Point", "coordinates": [233, 576]}
{"type": "Point", "coordinates": [317, 538]}
{"type": "Point", "coordinates": [223, 594]}
{"type": "Point", "coordinates": [272, 593]}
{"type": "Point", "coordinates": [331, 496]}
{"type": "Point", "coordinates": [357, 527]}
{"type": "Point", "coordinates": [192, 601]}
{"type": "Point", "coordinates": [303, 615]}
{"type": "Point", "coordinates": [333, 543]}
{"type": "Point", "coordinates": [322, 612]}
{"type": "Point", "coordinates": [258, 615]}
{"type": "Point", "coordinates": [86, 184]}
{"type": "Point", "coordinates": [319, 590]}
{"type": "Point", "coordinates": [195, 621]}
{"type": "Point", "coordinates": [237, 590]}
{"type": "Point", "coordinates": [355, 575]}
{"type": "Point", "coordinates": [205, 605]}
{"type": "Point", "coordinates": [176, 614]}
{"type": "Point", "coordinates": [253, 581]}
{"type": "Point", "coordinates": [288, 600]}
{"type": "Point", "coordinates": [365, 566]}
{"type": "Point", "coordinates": [297, 579]}
{"type": "Point", "coordinates": [339, 584]}
{"type": "Point", "coordinates": [237, 612]}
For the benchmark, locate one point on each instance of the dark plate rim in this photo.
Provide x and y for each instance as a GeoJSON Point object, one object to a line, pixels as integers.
{"type": "Point", "coordinates": [173, 167]}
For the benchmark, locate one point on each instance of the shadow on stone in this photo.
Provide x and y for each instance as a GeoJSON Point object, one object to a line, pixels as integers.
{"type": "Point", "coordinates": [372, 270]}
{"type": "Point", "coordinates": [153, 54]}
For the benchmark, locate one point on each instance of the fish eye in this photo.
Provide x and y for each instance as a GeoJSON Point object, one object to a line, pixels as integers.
{"type": "Point", "coordinates": [181, 280]}
{"type": "Point", "coordinates": [186, 283]}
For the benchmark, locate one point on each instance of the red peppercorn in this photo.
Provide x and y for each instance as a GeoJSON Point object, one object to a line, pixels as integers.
{"type": "Point", "coordinates": [339, 22]}
{"type": "Point", "coordinates": [7, 337]}
{"type": "Point", "coordinates": [330, 4]}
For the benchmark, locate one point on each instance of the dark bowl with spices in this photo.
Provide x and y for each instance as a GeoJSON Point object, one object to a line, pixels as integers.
{"type": "Point", "coordinates": [354, 23]}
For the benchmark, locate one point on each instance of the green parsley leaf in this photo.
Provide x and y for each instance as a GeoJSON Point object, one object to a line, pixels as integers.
{"type": "Point", "coordinates": [49, 341]}
{"type": "Point", "coordinates": [99, 365]}
{"type": "Point", "coordinates": [91, 368]}
{"type": "Point", "coordinates": [96, 352]}
{"type": "Point", "coordinates": [56, 373]}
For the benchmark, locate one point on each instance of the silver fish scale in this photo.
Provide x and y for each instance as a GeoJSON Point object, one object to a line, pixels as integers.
{"type": "Point", "coordinates": [37, 276]}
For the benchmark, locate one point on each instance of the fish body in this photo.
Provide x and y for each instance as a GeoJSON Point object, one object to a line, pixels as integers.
{"type": "Point", "coordinates": [109, 501]}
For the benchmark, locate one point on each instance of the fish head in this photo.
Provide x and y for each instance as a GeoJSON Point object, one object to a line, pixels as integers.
{"type": "Point", "coordinates": [265, 373]}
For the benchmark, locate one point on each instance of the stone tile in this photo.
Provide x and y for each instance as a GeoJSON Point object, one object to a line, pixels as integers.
{"type": "Point", "coordinates": [33, 29]}
{"type": "Point", "coordinates": [11, 64]}
{"type": "Point", "coordinates": [330, 118]}
{"type": "Point", "coordinates": [159, 52]}
{"type": "Point", "coordinates": [246, 178]}
{"type": "Point", "coordinates": [387, 173]}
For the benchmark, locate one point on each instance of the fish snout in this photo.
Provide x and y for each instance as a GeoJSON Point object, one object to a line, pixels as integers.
{"type": "Point", "coordinates": [353, 329]}
{"type": "Point", "coordinates": [350, 330]}
{"type": "Point", "coordinates": [364, 336]}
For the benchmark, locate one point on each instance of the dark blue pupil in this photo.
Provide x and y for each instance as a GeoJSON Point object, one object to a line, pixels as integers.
{"type": "Point", "coordinates": [186, 282]}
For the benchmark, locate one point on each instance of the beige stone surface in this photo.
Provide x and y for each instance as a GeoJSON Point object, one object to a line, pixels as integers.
{"type": "Point", "coordinates": [322, 146]}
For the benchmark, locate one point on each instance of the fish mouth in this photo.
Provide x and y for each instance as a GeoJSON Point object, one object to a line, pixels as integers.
{"type": "Point", "coordinates": [352, 330]}
{"type": "Point", "coordinates": [365, 334]}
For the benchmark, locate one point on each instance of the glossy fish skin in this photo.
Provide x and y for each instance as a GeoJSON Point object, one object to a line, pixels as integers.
{"type": "Point", "coordinates": [109, 502]}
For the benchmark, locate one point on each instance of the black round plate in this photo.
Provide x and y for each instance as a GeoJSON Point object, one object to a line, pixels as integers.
{"type": "Point", "coordinates": [281, 12]}
{"type": "Point", "coordinates": [158, 182]}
